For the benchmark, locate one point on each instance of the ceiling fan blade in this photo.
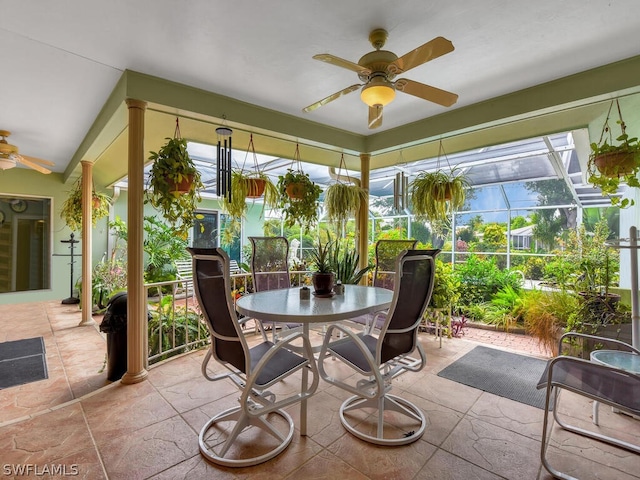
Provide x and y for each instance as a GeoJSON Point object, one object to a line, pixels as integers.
{"type": "Point", "coordinates": [426, 92]}
{"type": "Point", "coordinates": [33, 165]}
{"type": "Point", "coordinates": [433, 49]}
{"type": "Point", "coordinates": [375, 116]}
{"type": "Point", "coordinates": [341, 62]}
{"type": "Point", "coordinates": [331, 98]}
{"type": "Point", "coordinates": [39, 160]}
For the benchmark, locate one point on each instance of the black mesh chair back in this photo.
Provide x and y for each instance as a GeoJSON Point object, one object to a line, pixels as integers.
{"type": "Point", "coordinates": [387, 252]}
{"type": "Point", "coordinates": [270, 263]}
{"type": "Point", "coordinates": [415, 273]}
{"type": "Point", "coordinates": [376, 361]}
{"type": "Point", "coordinates": [212, 288]}
{"type": "Point", "coordinates": [253, 370]}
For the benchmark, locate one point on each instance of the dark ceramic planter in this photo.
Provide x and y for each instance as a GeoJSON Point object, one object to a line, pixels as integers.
{"type": "Point", "coordinates": [322, 283]}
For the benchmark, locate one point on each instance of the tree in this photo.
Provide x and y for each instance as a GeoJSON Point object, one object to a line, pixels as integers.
{"type": "Point", "coordinates": [494, 236]}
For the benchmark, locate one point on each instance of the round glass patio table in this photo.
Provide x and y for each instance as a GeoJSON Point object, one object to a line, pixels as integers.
{"type": "Point", "coordinates": [284, 305]}
{"type": "Point", "coordinates": [627, 361]}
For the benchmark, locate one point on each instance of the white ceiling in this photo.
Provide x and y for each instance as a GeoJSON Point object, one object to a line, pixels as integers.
{"type": "Point", "coordinates": [61, 60]}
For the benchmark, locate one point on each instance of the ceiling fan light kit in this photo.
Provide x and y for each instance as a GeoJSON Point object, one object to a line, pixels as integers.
{"type": "Point", "coordinates": [378, 69]}
{"type": "Point", "coordinates": [377, 92]}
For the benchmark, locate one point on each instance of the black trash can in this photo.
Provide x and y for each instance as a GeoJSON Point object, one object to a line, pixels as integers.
{"type": "Point", "coordinates": [114, 324]}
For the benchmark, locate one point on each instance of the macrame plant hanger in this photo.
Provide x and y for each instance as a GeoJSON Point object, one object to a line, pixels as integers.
{"type": "Point", "coordinates": [257, 190]}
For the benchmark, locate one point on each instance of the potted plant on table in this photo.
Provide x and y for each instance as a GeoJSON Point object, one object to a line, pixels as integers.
{"type": "Point", "coordinates": [614, 161]}
{"type": "Point", "coordinates": [174, 183]}
{"type": "Point", "coordinates": [71, 211]}
{"type": "Point", "coordinates": [322, 277]}
{"type": "Point", "coordinates": [298, 198]}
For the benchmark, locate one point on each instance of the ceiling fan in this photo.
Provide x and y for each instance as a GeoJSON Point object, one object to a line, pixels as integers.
{"type": "Point", "coordinates": [9, 156]}
{"type": "Point", "coordinates": [377, 69]}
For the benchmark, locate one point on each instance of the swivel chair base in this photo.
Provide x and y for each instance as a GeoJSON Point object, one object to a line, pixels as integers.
{"type": "Point", "coordinates": [388, 403]}
{"type": "Point", "coordinates": [219, 451]}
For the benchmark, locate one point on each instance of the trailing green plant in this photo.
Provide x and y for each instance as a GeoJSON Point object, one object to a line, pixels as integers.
{"type": "Point", "coordinates": [171, 166]}
{"type": "Point", "coordinates": [304, 208]}
{"type": "Point", "coordinates": [241, 181]}
{"type": "Point", "coordinates": [622, 157]}
{"type": "Point", "coordinates": [71, 211]}
{"type": "Point", "coordinates": [344, 263]}
{"type": "Point", "coordinates": [436, 195]}
{"type": "Point", "coordinates": [342, 201]}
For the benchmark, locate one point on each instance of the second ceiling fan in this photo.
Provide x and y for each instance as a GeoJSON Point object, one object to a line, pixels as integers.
{"type": "Point", "coordinates": [378, 69]}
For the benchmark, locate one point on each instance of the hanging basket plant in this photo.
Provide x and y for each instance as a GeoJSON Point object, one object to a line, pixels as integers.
{"type": "Point", "coordinates": [71, 211]}
{"type": "Point", "coordinates": [249, 184]}
{"type": "Point", "coordinates": [174, 183]}
{"type": "Point", "coordinates": [298, 196]}
{"type": "Point", "coordinates": [614, 161]}
{"type": "Point", "coordinates": [342, 199]}
{"type": "Point", "coordinates": [436, 195]}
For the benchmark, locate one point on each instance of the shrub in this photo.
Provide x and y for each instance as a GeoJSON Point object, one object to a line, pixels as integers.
{"type": "Point", "coordinates": [481, 279]}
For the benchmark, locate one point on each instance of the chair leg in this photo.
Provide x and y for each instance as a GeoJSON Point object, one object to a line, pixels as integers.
{"type": "Point", "coordinates": [381, 405]}
{"type": "Point", "coordinates": [220, 451]}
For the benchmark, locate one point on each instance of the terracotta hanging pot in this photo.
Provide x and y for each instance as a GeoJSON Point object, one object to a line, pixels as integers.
{"type": "Point", "coordinates": [296, 191]}
{"type": "Point", "coordinates": [615, 164]}
{"type": "Point", "coordinates": [255, 187]}
{"type": "Point", "coordinates": [181, 187]}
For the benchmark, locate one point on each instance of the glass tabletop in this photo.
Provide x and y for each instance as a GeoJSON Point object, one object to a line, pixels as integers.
{"type": "Point", "coordinates": [285, 305]}
{"type": "Point", "coordinates": [627, 361]}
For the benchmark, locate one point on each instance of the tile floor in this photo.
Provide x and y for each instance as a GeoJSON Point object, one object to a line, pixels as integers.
{"type": "Point", "coordinates": [76, 421]}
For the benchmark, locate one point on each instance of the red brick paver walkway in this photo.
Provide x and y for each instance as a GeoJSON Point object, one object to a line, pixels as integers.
{"type": "Point", "coordinates": [512, 341]}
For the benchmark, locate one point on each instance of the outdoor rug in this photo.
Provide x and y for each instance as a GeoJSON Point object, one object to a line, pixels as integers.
{"type": "Point", "coordinates": [502, 373]}
{"type": "Point", "coordinates": [22, 361]}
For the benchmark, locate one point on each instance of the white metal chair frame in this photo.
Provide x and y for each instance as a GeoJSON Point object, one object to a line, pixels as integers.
{"type": "Point", "coordinates": [262, 367]}
{"type": "Point", "coordinates": [372, 391]}
{"type": "Point", "coordinates": [598, 382]}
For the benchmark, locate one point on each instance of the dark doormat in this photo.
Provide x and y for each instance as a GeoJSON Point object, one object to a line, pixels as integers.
{"type": "Point", "coordinates": [22, 361]}
{"type": "Point", "coordinates": [502, 373]}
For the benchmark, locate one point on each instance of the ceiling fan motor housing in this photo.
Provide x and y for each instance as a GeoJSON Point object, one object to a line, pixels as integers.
{"type": "Point", "coordinates": [377, 61]}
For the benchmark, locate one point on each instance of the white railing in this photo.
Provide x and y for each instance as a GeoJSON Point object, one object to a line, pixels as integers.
{"type": "Point", "coordinates": [174, 321]}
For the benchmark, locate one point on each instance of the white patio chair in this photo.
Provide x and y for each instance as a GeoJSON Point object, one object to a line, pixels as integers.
{"type": "Point", "coordinates": [378, 360]}
{"type": "Point", "coordinates": [227, 439]}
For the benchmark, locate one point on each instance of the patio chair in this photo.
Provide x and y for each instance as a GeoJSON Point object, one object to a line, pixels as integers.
{"type": "Point", "coordinates": [378, 360]}
{"type": "Point", "coordinates": [596, 381]}
{"type": "Point", "coordinates": [387, 252]}
{"type": "Point", "coordinates": [228, 437]}
{"type": "Point", "coordinates": [270, 271]}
